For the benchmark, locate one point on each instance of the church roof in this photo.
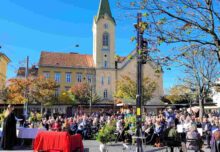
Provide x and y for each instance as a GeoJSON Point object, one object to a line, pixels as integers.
{"type": "Point", "coordinates": [70, 60]}
{"type": "Point", "coordinates": [104, 8]}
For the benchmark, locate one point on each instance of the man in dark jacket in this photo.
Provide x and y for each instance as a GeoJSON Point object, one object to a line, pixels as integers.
{"type": "Point", "coordinates": [9, 129]}
{"type": "Point", "coordinates": [207, 127]}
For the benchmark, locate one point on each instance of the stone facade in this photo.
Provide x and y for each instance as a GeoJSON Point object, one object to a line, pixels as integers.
{"type": "Point", "coordinates": [65, 85]}
{"type": "Point", "coordinates": [4, 60]}
{"type": "Point", "coordinates": [101, 65]}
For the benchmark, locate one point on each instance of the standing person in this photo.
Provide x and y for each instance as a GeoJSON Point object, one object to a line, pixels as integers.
{"type": "Point", "coordinates": [9, 129]}
{"type": "Point", "coordinates": [207, 127]}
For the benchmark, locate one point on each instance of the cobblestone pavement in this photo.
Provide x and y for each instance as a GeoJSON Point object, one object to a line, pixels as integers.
{"type": "Point", "coordinates": [93, 146]}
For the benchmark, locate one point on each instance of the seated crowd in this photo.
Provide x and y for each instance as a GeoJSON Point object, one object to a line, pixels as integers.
{"type": "Point", "coordinates": [158, 130]}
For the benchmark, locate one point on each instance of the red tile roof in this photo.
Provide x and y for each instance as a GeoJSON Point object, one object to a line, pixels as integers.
{"type": "Point", "coordinates": [66, 60]}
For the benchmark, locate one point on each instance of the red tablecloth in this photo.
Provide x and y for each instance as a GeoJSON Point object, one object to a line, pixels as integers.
{"type": "Point", "coordinates": [52, 141]}
{"type": "Point", "coordinates": [57, 141]}
{"type": "Point", "coordinates": [76, 143]}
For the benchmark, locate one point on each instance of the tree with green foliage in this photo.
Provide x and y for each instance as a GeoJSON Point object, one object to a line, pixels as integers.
{"type": "Point", "coordinates": [127, 89]}
{"type": "Point", "coordinates": [66, 97]}
{"type": "Point", "coordinates": [179, 94]}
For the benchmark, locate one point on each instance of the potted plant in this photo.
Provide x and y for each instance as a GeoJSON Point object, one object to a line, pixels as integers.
{"type": "Point", "coordinates": [106, 135]}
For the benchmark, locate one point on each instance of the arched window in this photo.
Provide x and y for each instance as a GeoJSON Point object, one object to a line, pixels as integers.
{"type": "Point", "coordinates": [105, 64]}
{"type": "Point", "coordinates": [105, 39]}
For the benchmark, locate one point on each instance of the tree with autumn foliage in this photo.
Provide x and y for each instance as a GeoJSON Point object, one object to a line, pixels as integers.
{"type": "Point", "coordinates": [17, 90]}
{"type": "Point", "coordinates": [180, 94]}
{"type": "Point", "coordinates": [3, 94]}
{"type": "Point", "coordinates": [127, 89]}
{"type": "Point", "coordinates": [42, 91]}
{"type": "Point", "coordinates": [84, 92]}
{"type": "Point", "coordinates": [66, 97]}
{"type": "Point", "coordinates": [38, 90]}
{"type": "Point", "coordinates": [179, 22]}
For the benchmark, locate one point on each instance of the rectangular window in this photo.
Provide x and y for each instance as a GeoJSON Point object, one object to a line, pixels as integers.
{"type": "Point", "coordinates": [57, 92]}
{"type": "Point", "coordinates": [79, 77]}
{"type": "Point", "coordinates": [57, 77]}
{"type": "Point", "coordinates": [102, 80]}
{"type": "Point", "coordinates": [105, 64]}
{"type": "Point", "coordinates": [89, 78]}
{"type": "Point", "coordinates": [68, 77]}
{"type": "Point", "coordinates": [46, 75]}
{"type": "Point", "coordinates": [109, 79]}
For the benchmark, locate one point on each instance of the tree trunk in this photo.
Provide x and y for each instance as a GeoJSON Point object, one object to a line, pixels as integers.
{"type": "Point", "coordinates": [217, 43]}
{"type": "Point", "coordinates": [201, 108]}
{"type": "Point", "coordinates": [218, 53]}
{"type": "Point", "coordinates": [41, 108]}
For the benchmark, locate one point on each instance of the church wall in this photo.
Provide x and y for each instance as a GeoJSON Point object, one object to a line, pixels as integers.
{"type": "Point", "coordinates": [99, 51]}
{"type": "Point", "coordinates": [131, 70]}
{"type": "Point", "coordinates": [3, 70]}
{"type": "Point", "coordinates": [109, 86]}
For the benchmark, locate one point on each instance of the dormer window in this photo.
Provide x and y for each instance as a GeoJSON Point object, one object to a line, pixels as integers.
{"type": "Point", "coordinates": [105, 40]}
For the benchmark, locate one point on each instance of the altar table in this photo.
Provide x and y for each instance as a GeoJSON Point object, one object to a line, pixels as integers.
{"type": "Point", "coordinates": [26, 133]}
{"type": "Point", "coordinates": [57, 141]}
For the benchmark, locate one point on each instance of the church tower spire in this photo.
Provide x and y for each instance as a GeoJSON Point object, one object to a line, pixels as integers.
{"type": "Point", "coordinates": [104, 50]}
{"type": "Point", "coordinates": [104, 9]}
{"type": "Point", "coordinates": [104, 37]}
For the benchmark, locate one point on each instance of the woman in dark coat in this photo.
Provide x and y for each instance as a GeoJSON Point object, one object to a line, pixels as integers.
{"type": "Point", "coordinates": [9, 129]}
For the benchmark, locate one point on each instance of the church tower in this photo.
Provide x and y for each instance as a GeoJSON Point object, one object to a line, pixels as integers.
{"type": "Point", "coordinates": [104, 37]}
{"type": "Point", "coordinates": [104, 51]}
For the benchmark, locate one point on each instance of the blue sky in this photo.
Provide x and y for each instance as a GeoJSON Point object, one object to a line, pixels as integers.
{"type": "Point", "coordinates": [28, 27]}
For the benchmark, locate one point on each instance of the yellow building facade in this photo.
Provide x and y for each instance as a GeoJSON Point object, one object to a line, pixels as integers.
{"type": "Point", "coordinates": [4, 60]}
{"type": "Point", "coordinates": [101, 68]}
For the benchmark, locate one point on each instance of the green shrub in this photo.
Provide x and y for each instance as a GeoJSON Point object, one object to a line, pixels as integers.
{"type": "Point", "coordinates": [106, 133]}
{"type": "Point", "coordinates": [34, 117]}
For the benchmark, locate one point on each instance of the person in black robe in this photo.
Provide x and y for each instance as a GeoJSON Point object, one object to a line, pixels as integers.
{"type": "Point", "coordinates": [9, 129]}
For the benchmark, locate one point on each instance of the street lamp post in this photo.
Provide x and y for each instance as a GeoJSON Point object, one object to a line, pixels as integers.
{"type": "Point", "coordinates": [90, 104]}
{"type": "Point", "coordinates": [139, 83]}
{"type": "Point", "coordinates": [26, 91]}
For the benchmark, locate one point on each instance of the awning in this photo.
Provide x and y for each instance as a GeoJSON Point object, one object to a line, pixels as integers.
{"type": "Point", "coordinates": [211, 107]}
